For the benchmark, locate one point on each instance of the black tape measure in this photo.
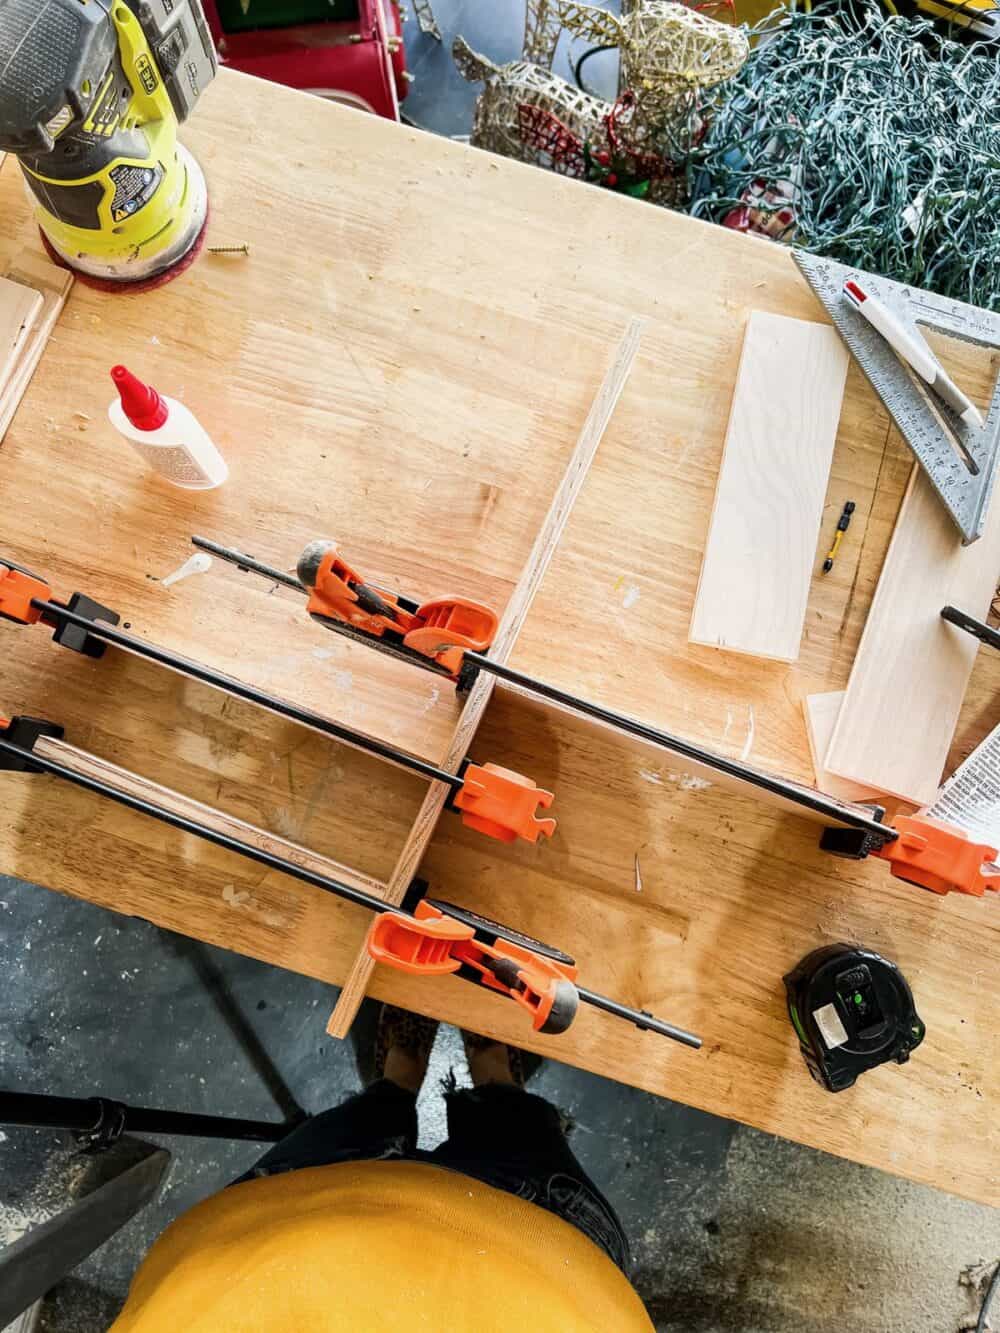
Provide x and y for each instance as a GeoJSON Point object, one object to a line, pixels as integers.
{"type": "Point", "coordinates": [852, 1010]}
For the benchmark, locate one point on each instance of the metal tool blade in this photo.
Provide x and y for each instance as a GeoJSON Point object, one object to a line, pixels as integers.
{"type": "Point", "coordinates": [965, 484]}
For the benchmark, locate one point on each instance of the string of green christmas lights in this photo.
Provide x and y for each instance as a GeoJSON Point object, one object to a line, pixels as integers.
{"type": "Point", "coordinates": [868, 139]}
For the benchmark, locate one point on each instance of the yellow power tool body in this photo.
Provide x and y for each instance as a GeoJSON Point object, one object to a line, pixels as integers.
{"type": "Point", "coordinates": [91, 94]}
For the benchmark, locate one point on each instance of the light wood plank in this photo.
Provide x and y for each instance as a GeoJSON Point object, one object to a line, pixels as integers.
{"type": "Point", "coordinates": [53, 283]}
{"type": "Point", "coordinates": [510, 625]}
{"type": "Point", "coordinates": [761, 545]}
{"type": "Point", "coordinates": [19, 309]}
{"type": "Point", "coordinates": [135, 784]}
{"type": "Point", "coordinates": [821, 712]}
{"type": "Point", "coordinates": [910, 674]}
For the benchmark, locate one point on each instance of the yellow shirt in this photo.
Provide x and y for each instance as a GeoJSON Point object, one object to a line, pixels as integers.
{"type": "Point", "coordinates": [363, 1247]}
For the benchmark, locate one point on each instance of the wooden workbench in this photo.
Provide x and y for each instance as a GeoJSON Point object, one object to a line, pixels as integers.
{"type": "Point", "coordinates": [403, 363]}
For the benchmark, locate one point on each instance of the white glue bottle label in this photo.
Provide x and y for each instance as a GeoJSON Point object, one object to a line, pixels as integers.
{"type": "Point", "coordinates": [167, 435]}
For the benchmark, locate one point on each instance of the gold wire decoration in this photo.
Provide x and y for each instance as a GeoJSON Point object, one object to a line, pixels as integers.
{"type": "Point", "coordinates": [670, 55]}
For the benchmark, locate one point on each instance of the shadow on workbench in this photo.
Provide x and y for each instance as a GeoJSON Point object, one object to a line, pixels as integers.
{"type": "Point", "coordinates": [733, 1231]}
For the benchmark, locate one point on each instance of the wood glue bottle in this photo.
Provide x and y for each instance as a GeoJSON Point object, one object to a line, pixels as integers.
{"type": "Point", "coordinates": [167, 435]}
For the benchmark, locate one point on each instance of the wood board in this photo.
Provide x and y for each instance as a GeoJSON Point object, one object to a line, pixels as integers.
{"type": "Point", "coordinates": [53, 285]}
{"type": "Point", "coordinates": [909, 678]}
{"type": "Point", "coordinates": [19, 308]}
{"type": "Point", "coordinates": [396, 367]}
{"type": "Point", "coordinates": [539, 558]}
{"type": "Point", "coordinates": [820, 712]}
{"type": "Point", "coordinates": [761, 546]}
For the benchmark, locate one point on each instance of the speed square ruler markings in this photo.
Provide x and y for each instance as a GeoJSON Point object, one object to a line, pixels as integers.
{"type": "Point", "coordinates": [962, 469]}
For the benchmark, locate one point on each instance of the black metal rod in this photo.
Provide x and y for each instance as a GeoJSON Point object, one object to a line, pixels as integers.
{"type": "Point", "coordinates": [249, 565]}
{"type": "Point", "coordinates": [84, 1115]}
{"type": "Point", "coordinates": [977, 628]}
{"type": "Point", "coordinates": [225, 840]}
{"type": "Point", "coordinates": [34, 1263]}
{"type": "Point", "coordinates": [229, 685]}
{"type": "Point", "coordinates": [345, 891]}
{"type": "Point", "coordinates": [392, 646]}
{"type": "Point", "coordinates": [790, 791]}
{"type": "Point", "coordinates": [639, 1017]}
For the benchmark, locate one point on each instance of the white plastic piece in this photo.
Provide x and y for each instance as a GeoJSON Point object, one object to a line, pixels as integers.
{"type": "Point", "coordinates": [196, 564]}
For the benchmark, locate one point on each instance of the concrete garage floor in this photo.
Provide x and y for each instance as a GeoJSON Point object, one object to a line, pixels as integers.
{"type": "Point", "coordinates": [733, 1231]}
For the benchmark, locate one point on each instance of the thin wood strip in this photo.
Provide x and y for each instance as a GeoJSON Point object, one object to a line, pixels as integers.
{"type": "Point", "coordinates": [510, 625]}
{"type": "Point", "coordinates": [134, 784]}
{"type": "Point", "coordinates": [54, 283]}
{"type": "Point", "coordinates": [911, 670]}
{"type": "Point", "coordinates": [821, 712]}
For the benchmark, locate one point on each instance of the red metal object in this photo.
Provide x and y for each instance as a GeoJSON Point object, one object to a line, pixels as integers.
{"type": "Point", "coordinates": [939, 857]}
{"type": "Point", "coordinates": [360, 62]}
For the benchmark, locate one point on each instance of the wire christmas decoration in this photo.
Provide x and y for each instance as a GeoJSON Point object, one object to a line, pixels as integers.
{"type": "Point", "coordinates": [866, 138]}
{"type": "Point", "coordinates": [671, 55]}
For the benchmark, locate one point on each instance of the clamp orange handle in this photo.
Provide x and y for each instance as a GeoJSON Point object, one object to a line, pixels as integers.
{"type": "Point", "coordinates": [338, 592]}
{"type": "Point", "coordinates": [421, 944]}
{"type": "Point", "coordinates": [17, 589]}
{"type": "Point", "coordinates": [447, 626]}
{"type": "Point", "coordinates": [939, 857]}
{"type": "Point", "coordinates": [431, 943]}
{"type": "Point", "coordinates": [502, 804]}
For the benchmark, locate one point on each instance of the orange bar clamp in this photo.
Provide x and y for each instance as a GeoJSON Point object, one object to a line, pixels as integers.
{"type": "Point", "coordinates": [433, 943]}
{"type": "Point", "coordinates": [939, 857]}
{"type": "Point", "coordinates": [493, 800]}
{"type": "Point", "coordinates": [439, 630]}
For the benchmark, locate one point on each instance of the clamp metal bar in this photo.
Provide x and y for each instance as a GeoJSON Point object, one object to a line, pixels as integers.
{"type": "Point", "coordinates": [28, 760]}
{"type": "Point", "coordinates": [642, 1020]}
{"type": "Point", "coordinates": [837, 812]}
{"type": "Point", "coordinates": [977, 628]}
{"type": "Point", "coordinates": [220, 839]}
{"type": "Point", "coordinates": [229, 685]}
{"type": "Point", "coordinates": [249, 565]}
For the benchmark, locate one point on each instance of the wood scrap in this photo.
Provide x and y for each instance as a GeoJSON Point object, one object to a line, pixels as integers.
{"type": "Point", "coordinates": [910, 674]}
{"type": "Point", "coordinates": [821, 712]}
{"type": "Point", "coordinates": [20, 307]}
{"type": "Point", "coordinates": [762, 537]}
{"type": "Point", "coordinates": [53, 283]}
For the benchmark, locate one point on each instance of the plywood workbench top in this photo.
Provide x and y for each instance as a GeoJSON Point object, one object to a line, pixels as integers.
{"type": "Point", "coordinates": [403, 363]}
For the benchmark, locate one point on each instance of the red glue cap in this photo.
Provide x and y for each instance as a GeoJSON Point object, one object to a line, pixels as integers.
{"type": "Point", "coordinates": [140, 402]}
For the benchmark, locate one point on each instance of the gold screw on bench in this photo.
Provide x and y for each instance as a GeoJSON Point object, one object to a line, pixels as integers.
{"type": "Point", "coordinates": [243, 249]}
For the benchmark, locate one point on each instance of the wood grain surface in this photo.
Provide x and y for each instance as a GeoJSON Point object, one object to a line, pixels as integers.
{"type": "Point", "coordinates": [209, 816]}
{"type": "Point", "coordinates": [53, 285]}
{"type": "Point", "coordinates": [821, 712]}
{"type": "Point", "coordinates": [761, 545]}
{"type": "Point", "coordinates": [541, 553]}
{"type": "Point", "coordinates": [402, 364]}
{"type": "Point", "coordinates": [19, 308]}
